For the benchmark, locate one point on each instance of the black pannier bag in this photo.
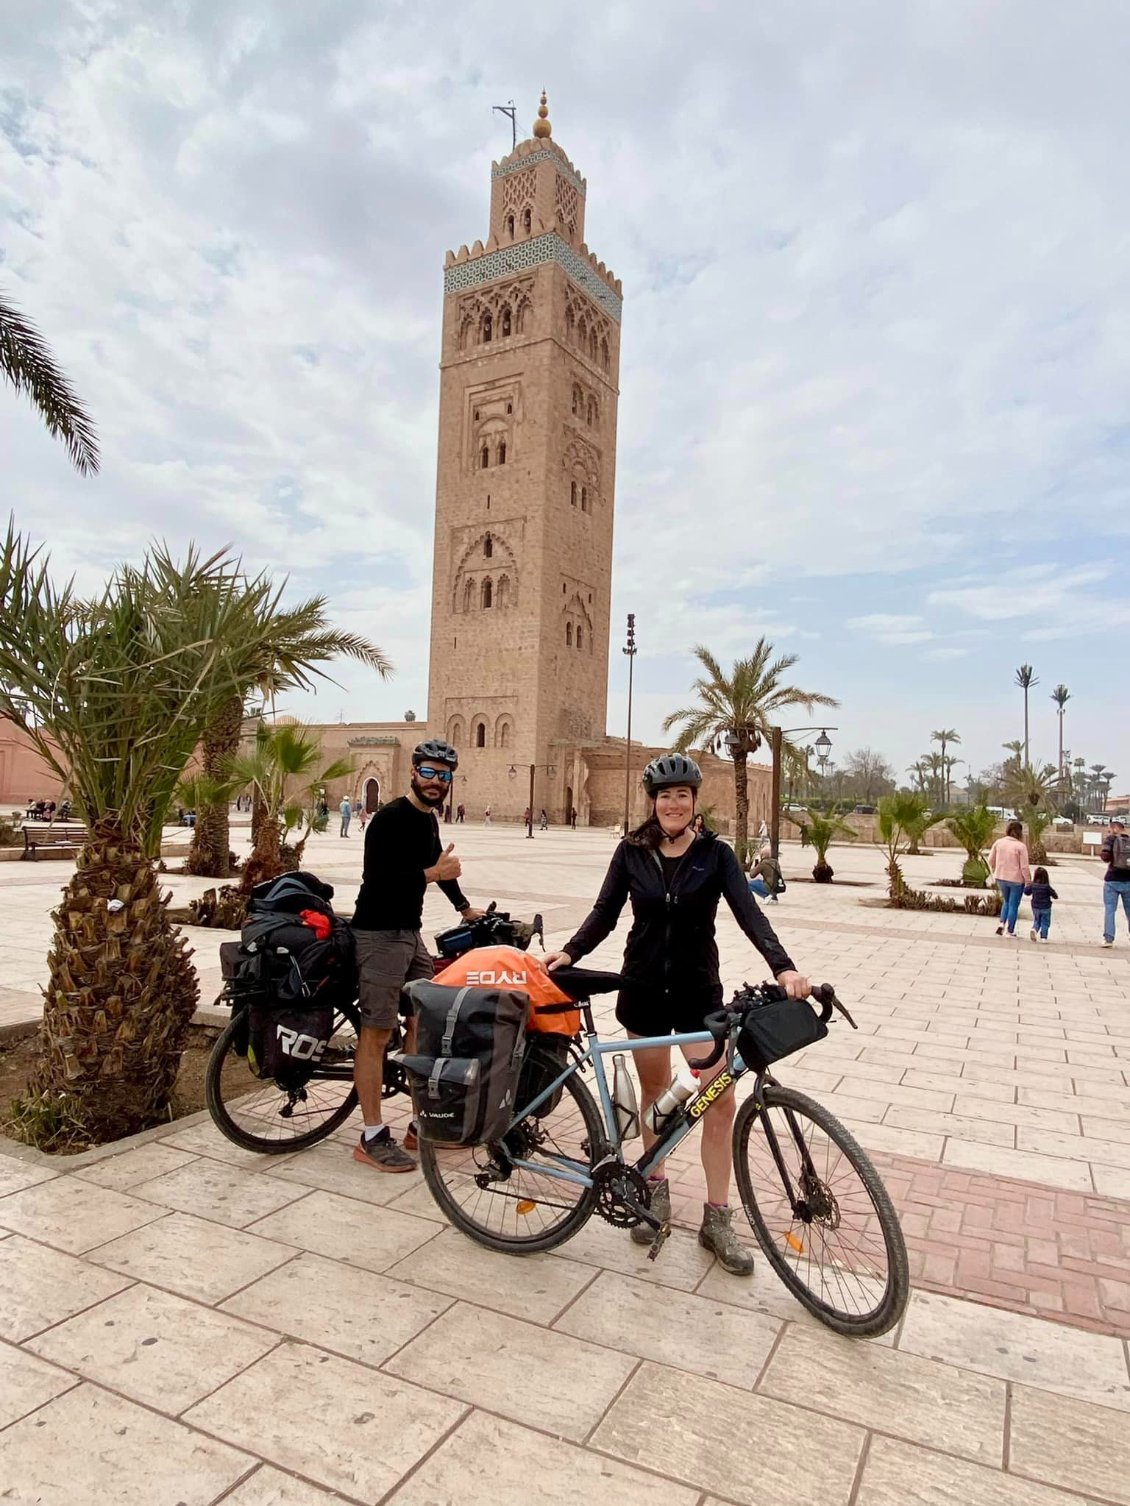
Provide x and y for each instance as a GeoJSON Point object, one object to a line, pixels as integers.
{"type": "Point", "coordinates": [470, 1044]}
{"type": "Point", "coordinates": [547, 1056]}
{"type": "Point", "coordinates": [776, 1029]}
{"type": "Point", "coordinates": [296, 966]}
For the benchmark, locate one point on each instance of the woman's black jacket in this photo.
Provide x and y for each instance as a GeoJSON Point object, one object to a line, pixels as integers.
{"type": "Point", "coordinates": [671, 945]}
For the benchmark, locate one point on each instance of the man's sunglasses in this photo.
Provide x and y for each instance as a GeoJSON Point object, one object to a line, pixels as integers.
{"type": "Point", "coordinates": [425, 771]}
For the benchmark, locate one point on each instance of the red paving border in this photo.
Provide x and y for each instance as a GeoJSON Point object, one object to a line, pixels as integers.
{"type": "Point", "coordinates": [1012, 1244]}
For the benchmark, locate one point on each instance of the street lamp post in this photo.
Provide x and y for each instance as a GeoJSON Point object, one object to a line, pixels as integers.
{"type": "Point", "coordinates": [629, 649]}
{"type": "Point", "coordinates": [550, 769]}
{"type": "Point", "coordinates": [776, 738]}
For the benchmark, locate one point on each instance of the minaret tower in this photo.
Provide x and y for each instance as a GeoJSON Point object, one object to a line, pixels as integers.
{"type": "Point", "coordinates": [525, 485]}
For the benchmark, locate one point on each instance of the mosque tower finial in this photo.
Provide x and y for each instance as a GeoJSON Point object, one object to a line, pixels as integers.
{"type": "Point", "coordinates": [542, 126]}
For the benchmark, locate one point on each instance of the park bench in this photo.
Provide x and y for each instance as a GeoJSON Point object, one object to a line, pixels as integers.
{"type": "Point", "coordinates": [37, 835]}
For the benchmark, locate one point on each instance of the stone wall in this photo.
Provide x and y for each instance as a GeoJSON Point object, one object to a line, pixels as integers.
{"type": "Point", "coordinates": [23, 774]}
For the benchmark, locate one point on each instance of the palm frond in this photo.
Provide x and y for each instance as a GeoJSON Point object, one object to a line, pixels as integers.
{"type": "Point", "coordinates": [27, 363]}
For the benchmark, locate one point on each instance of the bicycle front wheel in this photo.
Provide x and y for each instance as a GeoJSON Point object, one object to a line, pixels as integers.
{"type": "Point", "coordinates": [256, 1114]}
{"type": "Point", "coordinates": [821, 1213]}
{"type": "Point", "coordinates": [519, 1210]}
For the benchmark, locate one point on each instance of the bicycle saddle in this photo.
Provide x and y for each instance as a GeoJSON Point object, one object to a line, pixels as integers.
{"type": "Point", "coordinates": [583, 982]}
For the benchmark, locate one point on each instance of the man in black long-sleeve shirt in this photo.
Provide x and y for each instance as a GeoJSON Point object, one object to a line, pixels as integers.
{"type": "Point", "coordinates": [403, 855]}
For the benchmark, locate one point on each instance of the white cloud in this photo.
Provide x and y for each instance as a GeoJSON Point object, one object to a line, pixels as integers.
{"type": "Point", "coordinates": [891, 627]}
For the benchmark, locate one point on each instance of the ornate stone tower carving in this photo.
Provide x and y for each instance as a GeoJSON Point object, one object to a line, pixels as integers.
{"type": "Point", "coordinates": [525, 485]}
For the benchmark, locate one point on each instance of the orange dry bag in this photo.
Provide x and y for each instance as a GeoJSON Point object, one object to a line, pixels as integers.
{"type": "Point", "coordinates": [551, 1011]}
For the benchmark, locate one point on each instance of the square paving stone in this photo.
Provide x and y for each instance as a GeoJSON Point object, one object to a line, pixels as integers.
{"type": "Point", "coordinates": [746, 1447]}
{"type": "Point", "coordinates": [341, 1424]}
{"type": "Point", "coordinates": [270, 1487]}
{"type": "Point", "coordinates": [673, 1328]}
{"type": "Point", "coordinates": [1017, 1347]}
{"type": "Point", "coordinates": [418, 1201]}
{"type": "Point", "coordinates": [97, 1449]}
{"type": "Point", "coordinates": [192, 1256]}
{"type": "Point", "coordinates": [16, 1175]}
{"type": "Point", "coordinates": [534, 1287]}
{"type": "Point", "coordinates": [124, 1171]}
{"type": "Point", "coordinates": [763, 1292]}
{"type": "Point", "coordinates": [331, 1168]}
{"type": "Point", "coordinates": [339, 1307]}
{"type": "Point", "coordinates": [155, 1348]}
{"type": "Point", "coordinates": [73, 1215]}
{"type": "Point", "coordinates": [487, 1459]}
{"type": "Point", "coordinates": [39, 1287]}
{"type": "Point", "coordinates": [212, 1189]}
{"type": "Point", "coordinates": [26, 1383]}
{"type": "Point", "coordinates": [204, 1139]}
{"type": "Point", "coordinates": [525, 1372]}
{"type": "Point", "coordinates": [682, 1262]}
{"type": "Point", "coordinates": [922, 1400]}
{"type": "Point", "coordinates": [898, 1474]}
{"type": "Point", "coordinates": [344, 1229]}
{"type": "Point", "coordinates": [1070, 1443]}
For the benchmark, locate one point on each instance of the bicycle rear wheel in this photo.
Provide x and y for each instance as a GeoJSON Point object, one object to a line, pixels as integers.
{"type": "Point", "coordinates": [257, 1114]}
{"type": "Point", "coordinates": [822, 1216]}
{"type": "Point", "coordinates": [518, 1209]}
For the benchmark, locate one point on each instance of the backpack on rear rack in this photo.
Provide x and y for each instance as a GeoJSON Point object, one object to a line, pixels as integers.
{"type": "Point", "coordinates": [296, 966]}
{"type": "Point", "coordinates": [470, 1044]}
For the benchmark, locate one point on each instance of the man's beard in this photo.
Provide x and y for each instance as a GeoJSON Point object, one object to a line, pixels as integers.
{"type": "Point", "coordinates": [425, 795]}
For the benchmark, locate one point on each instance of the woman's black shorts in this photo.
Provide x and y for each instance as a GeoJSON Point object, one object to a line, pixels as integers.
{"type": "Point", "coordinates": [645, 1011]}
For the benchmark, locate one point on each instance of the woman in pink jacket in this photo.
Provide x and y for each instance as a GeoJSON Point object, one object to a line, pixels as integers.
{"type": "Point", "coordinates": [1008, 863]}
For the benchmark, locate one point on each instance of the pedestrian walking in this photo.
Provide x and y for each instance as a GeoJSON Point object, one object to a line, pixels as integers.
{"type": "Point", "coordinates": [573, 818]}
{"type": "Point", "coordinates": [1041, 893]}
{"type": "Point", "coordinates": [1115, 853]}
{"type": "Point", "coordinates": [1008, 863]}
{"type": "Point", "coordinates": [346, 815]}
{"type": "Point", "coordinates": [460, 814]}
{"type": "Point", "coordinates": [486, 816]}
{"type": "Point", "coordinates": [543, 820]}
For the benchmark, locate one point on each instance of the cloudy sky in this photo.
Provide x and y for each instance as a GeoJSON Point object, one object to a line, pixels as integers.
{"type": "Point", "coordinates": [875, 390]}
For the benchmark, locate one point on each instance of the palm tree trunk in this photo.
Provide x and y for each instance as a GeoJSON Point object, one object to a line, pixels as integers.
{"type": "Point", "coordinates": [210, 853]}
{"type": "Point", "coordinates": [120, 993]}
{"type": "Point", "coordinates": [1059, 766]}
{"type": "Point", "coordinates": [741, 807]}
{"type": "Point", "coordinates": [1026, 759]}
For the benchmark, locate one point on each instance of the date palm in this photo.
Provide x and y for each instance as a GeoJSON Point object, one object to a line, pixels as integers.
{"type": "Point", "coordinates": [285, 651]}
{"type": "Point", "coordinates": [974, 828]}
{"type": "Point", "coordinates": [282, 771]}
{"type": "Point", "coordinates": [114, 693]}
{"type": "Point", "coordinates": [27, 363]}
{"type": "Point", "coordinates": [822, 828]}
{"type": "Point", "coordinates": [742, 706]}
{"type": "Point", "coordinates": [947, 736]}
{"type": "Point", "coordinates": [1026, 678]}
{"type": "Point", "coordinates": [1034, 794]}
{"type": "Point", "coordinates": [1061, 695]}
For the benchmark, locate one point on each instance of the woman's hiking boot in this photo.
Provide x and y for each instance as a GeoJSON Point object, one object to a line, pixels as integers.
{"type": "Point", "coordinates": [717, 1234]}
{"type": "Point", "coordinates": [643, 1234]}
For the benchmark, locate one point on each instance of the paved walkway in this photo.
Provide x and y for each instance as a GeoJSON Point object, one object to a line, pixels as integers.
{"type": "Point", "coordinates": [186, 1322]}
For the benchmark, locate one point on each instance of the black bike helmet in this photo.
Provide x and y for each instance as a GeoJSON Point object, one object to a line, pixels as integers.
{"type": "Point", "coordinates": [435, 750]}
{"type": "Point", "coordinates": [670, 769]}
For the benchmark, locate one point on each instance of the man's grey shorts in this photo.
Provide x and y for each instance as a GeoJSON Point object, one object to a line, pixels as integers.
{"type": "Point", "coordinates": [386, 961]}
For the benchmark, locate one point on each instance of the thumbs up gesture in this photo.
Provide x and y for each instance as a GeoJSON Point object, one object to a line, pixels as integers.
{"type": "Point", "coordinates": [448, 865]}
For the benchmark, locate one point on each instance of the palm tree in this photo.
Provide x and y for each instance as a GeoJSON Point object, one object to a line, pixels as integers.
{"type": "Point", "coordinates": [114, 693]}
{"type": "Point", "coordinates": [974, 828]}
{"type": "Point", "coordinates": [284, 653]}
{"type": "Point", "coordinates": [27, 363]}
{"type": "Point", "coordinates": [822, 829]}
{"type": "Point", "coordinates": [946, 736]}
{"type": "Point", "coordinates": [1099, 776]}
{"type": "Point", "coordinates": [281, 771]}
{"type": "Point", "coordinates": [1026, 678]}
{"type": "Point", "coordinates": [1034, 793]}
{"type": "Point", "coordinates": [741, 707]}
{"type": "Point", "coordinates": [919, 769]}
{"type": "Point", "coordinates": [1061, 695]}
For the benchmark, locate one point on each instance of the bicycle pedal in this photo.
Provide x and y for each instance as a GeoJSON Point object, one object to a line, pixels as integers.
{"type": "Point", "coordinates": [659, 1241]}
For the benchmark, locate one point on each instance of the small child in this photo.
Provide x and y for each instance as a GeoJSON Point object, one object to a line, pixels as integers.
{"type": "Point", "coordinates": [1042, 895]}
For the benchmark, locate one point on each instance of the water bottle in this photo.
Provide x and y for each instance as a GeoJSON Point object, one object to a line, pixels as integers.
{"type": "Point", "coordinates": [684, 1086]}
{"type": "Point", "coordinates": [624, 1099]}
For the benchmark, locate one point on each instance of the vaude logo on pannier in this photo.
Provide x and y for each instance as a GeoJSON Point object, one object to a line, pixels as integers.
{"type": "Point", "coordinates": [302, 1048]}
{"type": "Point", "coordinates": [488, 979]}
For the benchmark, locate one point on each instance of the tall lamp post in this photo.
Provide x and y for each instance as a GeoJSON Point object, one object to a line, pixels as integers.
{"type": "Point", "coordinates": [551, 769]}
{"type": "Point", "coordinates": [629, 649]}
{"type": "Point", "coordinates": [776, 735]}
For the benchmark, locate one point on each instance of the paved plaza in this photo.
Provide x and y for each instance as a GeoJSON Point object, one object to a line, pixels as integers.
{"type": "Point", "coordinates": [185, 1322]}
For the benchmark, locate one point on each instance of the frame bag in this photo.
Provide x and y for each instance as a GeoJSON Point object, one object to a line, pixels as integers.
{"type": "Point", "coordinates": [470, 1045]}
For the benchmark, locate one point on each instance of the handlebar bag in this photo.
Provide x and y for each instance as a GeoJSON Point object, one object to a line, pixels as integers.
{"type": "Point", "coordinates": [776, 1029]}
{"type": "Point", "coordinates": [470, 1044]}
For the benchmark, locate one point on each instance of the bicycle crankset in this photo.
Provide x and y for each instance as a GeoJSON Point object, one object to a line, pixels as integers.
{"type": "Point", "coordinates": [619, 1191]}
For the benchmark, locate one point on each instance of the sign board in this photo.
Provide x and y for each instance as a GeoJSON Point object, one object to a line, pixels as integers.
{"type": "Point", "coordinates": [1093, 838]}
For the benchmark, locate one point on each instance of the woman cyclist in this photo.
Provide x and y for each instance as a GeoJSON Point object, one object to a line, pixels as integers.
{"type": "Point", "coordinates": [674, 879]}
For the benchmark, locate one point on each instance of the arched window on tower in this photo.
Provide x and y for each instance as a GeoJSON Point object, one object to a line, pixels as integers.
{"type": "Point", "coordinates": [591, 412]}
{"type": "Point", "coordinates": [488, 547]}
{"type": "Point", "coordinates": [592, 344]}
{"type": "Point", "coordinates": [573, 493]}
{"type": "Point", "coordinates": [582, 332]}
{"type": "Point", "coordinates": [503, 597]}
{"type": "Point", "coordinates": [502, 452]}
{"type": "Point", "coordinates": [584, 499]}
{"type": "Point", "coordinates": [480, 734]}
{"type": "Point", "coordinates": [604, 354]}
{"type": "Point", "coordinates": [502, 733]}
{"type": "Point", "coordinates": [504, 323]}
{"type": "Point", "coordinates": [488, 593]}
{"type": "Point", "coordinates": [510, 226]}
{"type": "Point", "coordinates": [568, 635]}
{"type": "Point", "coordinates": [484, 458]}
{"type": "Point", "coordinates": [469, 596]}
{"type": "Point", "coordinates": [488, 329]}
{"type": "Point", "coordinates": [527, 219]}
{"type": "Point", "coordinates": [578, 399]}
{"type": "Point", "coordinates": [580, 636]}
{"type": "Point", "coordinates": [570, 323]}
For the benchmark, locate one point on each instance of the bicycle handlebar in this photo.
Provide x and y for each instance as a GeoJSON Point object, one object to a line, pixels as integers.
{"type": "Point", "coordinates": [724, 1023]}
